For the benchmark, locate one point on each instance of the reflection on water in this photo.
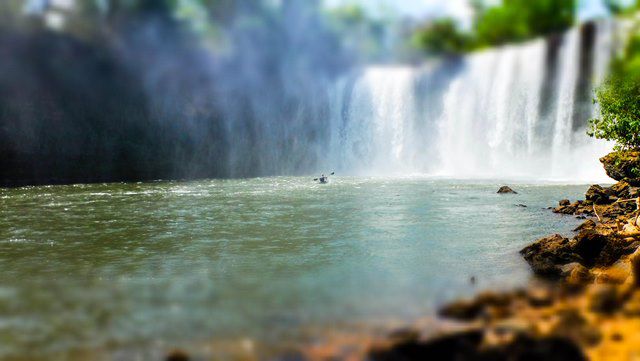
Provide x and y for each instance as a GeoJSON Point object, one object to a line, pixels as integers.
{"type": "Point", "coordinates": [134, 265]}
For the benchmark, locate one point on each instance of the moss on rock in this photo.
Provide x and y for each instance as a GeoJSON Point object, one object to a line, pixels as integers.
{"type": "Point", "coordinates": [623, 166]}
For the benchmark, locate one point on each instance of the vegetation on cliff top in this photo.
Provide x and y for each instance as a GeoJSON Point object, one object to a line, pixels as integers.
{"type": "Point", "coordinates": [511, 21]}
{"type": "Point", "coordinates": [619, 101]}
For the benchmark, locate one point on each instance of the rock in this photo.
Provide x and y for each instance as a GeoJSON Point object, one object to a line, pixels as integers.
{"type": "Point", "coordinates": [467, 346]}
{"type": "Point", "coordinates": [616, 274]}
{"type": "Point", "coordinates": [634, 262]}
{"type": "Point", "coordinates": [483, 305]}
{"type": "Point", "coordinates": [177, 355]}
{"type": "Point", "coordinates": [621, 189]}
{"type": "Point", "coordinates": [572, 325]}
{"type": "Point", "coordinates": [603, 299]}
{"type": "Point", "coordinates": [506, 190]}
{"type": "Point", "coordinates": [461, 310]}
{"type": "Point", "coordinates": [632, 306]}
{"type": "Point", "coordinates": [588, 224]}
{"type": "Point", "coordinates": [521, 205]}
{"type": "Point", "coordinates": [568, 209]}
{"type": "Point", "coordinates": [577, 274]}
{"type": "Point", "coordinates": [564, 202]}
{"type": "Point", "coordinates": [598, 249]}
{"type": "Point", "coordinates": [404, 335]}
{"type": "Point", "coordinates": [623, 165]}
{"type": "Point", "coordinates": [526, 348]}
{"type": "Point", "coordinates": [614, 250]}
{"type": "Point", "coordinates": [539, 297]}
{"type": "Point", "coordinates": [598, 195]}
{"type": "Point", "coordinates": [588, 244]}
{"type": "Point", "coordinates": [546, 255]}
{"type": "Point", "coordinates": [461, 345]}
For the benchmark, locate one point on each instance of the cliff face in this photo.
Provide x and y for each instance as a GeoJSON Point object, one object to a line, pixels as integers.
{"type": "Point", "coordinates": [74, 111]}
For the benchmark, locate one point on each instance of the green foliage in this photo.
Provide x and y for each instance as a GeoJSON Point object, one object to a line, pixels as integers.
{"type": "Point", "coordinates": [511, 21]}
{"type": "Point", "coordinates": [621, 7]}
{"type": "Point", "coordinates": [517, 20]}
{"type": "Point", "coordinates": [619, 101]}
{"type": "Point", "coordinates": [441, 37]}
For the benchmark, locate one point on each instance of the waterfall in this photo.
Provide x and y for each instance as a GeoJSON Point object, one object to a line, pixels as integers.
{"type": "Point", "coordinates": [517, 111]}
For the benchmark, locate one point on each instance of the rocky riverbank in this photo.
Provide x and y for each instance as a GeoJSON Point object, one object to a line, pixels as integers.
{"type": "Point", "coordinates": [584, 302]}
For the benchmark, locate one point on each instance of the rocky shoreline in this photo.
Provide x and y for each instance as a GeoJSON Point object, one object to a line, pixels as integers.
{"type": "Point", "coordinates": [584, 302]}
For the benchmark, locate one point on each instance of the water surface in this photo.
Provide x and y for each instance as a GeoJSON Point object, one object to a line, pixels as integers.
{"type": "Point", "coordinates": [109, 266]}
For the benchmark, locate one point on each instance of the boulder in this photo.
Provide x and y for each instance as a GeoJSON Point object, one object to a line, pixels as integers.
{"type": "Point", "coordinates": [546, 255]}
{"type": "Point", "coordinates": [588, 224]}
{"type": "Point", "coordinates": [506, 190]}
{"type": "Point", "coordinates": [576, 274]}
{"type": "Point", "coordinates": [588, 244]}
{"type": "Point", "coordinates": [567, 209]}
{"type": "Point", "coordinates": [598, 249]}
{"type": "Point", "coordinates": [622, 189]}
{"type": "Point", "coordinates": [598, 195]}
{"type": "Point", "coordinates": [623, 165]}
{"type": "Point", "coordinates": [564, 202]}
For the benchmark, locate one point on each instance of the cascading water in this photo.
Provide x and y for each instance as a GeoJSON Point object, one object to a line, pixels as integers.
{"type": "Point", "coordinates": [513, 112]}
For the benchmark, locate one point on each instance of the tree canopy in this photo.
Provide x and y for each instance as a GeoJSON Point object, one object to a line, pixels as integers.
{"type": "Point", "coordinates": [619, 101]}
{"type": "Point", "coordinates": [510, 21]}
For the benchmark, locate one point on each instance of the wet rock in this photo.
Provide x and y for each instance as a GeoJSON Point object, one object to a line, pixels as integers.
{"type": "Point", "coordinates": [521, 205]}
{"type": "Point", "coordinates": [546, 255]}
{"type": "Point", "coordinates": [598, 195]}
{"type": "Point", "coordinates": [623, 165]}
{"type": "Point", "coordinates": [567, 209]}
{"type": "Point", "coordinates": [506, 190]}
{"type": "Point", "coordinates": [564, 202]}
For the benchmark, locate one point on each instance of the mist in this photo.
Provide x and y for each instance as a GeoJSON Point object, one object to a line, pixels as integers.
{"type": "Point", "coordinates": [147, 95]}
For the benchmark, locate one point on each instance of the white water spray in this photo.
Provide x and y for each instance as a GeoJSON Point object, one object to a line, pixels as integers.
{"type": "Point", "coordinates": [487, 121]}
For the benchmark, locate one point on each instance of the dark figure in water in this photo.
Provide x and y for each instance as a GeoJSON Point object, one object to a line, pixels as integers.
{"type": "Point", "coordinates": [323, 178]}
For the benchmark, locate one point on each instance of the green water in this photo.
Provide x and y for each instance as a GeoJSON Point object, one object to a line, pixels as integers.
{"type": "Point", "coordinates": [115, 266]}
